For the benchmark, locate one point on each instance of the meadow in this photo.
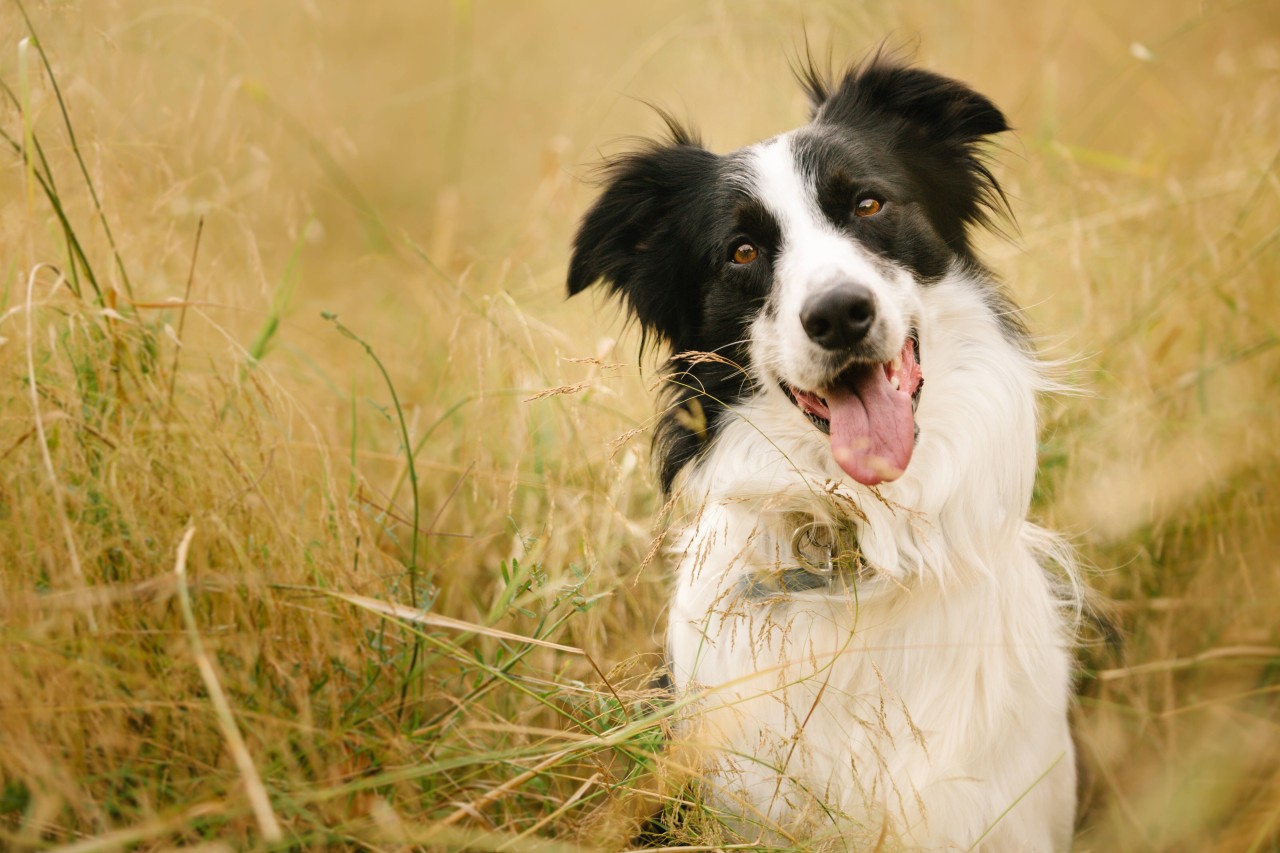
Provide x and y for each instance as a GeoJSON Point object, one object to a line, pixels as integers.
{"type": "Point", "coordinates": [327, 522]}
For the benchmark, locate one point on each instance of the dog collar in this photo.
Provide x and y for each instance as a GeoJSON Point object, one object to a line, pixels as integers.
{"type": "Point", "coordinates": [825, 556]}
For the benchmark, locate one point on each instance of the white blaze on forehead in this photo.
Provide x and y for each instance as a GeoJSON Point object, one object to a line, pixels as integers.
{"type": "Point", "coordinates": [815, 256]}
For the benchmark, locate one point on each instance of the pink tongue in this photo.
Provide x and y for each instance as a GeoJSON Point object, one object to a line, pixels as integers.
{"type": "Point", "coordinates": [872, 428]}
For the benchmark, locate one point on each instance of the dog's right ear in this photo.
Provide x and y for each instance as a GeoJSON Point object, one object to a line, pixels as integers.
{"type": "Point", "coordinates": [641, 235]}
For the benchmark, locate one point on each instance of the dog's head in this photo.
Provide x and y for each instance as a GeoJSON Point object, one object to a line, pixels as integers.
{"type": "Point", "coordinates": [801, 259]}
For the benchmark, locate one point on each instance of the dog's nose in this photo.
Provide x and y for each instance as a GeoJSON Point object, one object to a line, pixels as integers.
{"type": "Point", "coordinates": [838, 318]}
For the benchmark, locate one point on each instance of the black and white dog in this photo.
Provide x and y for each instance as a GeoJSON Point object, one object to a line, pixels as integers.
{"type": "Point", "coordinates": [863, 618]}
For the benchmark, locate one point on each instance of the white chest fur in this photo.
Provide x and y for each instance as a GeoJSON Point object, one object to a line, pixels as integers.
{"type": "Point", "coordinates": [924, 696]}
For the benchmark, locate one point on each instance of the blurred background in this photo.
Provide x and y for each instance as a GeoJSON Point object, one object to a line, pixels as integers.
{"type": "Point", "coordinates": [417, 169]}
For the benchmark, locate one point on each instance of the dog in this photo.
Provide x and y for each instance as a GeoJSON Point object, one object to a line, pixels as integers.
{"type": "Point", "coordinates": [873, 642]}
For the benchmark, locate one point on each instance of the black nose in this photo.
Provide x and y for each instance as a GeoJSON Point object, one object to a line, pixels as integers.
{"type": "Point", "coordinates": [839, 318]}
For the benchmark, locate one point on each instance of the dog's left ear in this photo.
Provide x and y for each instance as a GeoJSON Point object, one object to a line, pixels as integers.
{"type": "Point", "coordinates": [946, 109]}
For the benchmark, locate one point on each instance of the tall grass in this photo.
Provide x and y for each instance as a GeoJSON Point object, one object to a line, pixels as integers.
{"type": "Point", "coordinates": [268, 582]}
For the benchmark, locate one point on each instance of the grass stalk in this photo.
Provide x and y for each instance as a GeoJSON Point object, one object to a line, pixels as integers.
{"type": "Point", "coordinates": [182, 312]}
{"type": "Point", "coordinates": [434, 620]}
{"type": "Point", "coordinates": [75, 147]}
{"type": "Point", "coordinates": [406, 444]}
{"type": "Point", "coordinates": [254, 789]}
{"type": "Point", "coordinates": [42, 439]}
{"type": "Point", "coordinates": [280, 301]}
{"type": "Point", "coordinates": [28, 125]}
{"type": "Point", "coordinates": [77, 260]}
{"type": "Point", "coordinates": [410, 671]}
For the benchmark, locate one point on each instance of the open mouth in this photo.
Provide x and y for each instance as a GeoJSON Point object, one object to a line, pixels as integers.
{"type": "Point", "coordinates": [869, 413]}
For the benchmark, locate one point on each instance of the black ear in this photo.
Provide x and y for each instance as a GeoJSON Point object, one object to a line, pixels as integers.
{"type": "Point", "coordinates": [936, 123]}
{"type": "Point", "coordinates": [930, 102]}
{"type": "Point", "coordinates": [641, 235]}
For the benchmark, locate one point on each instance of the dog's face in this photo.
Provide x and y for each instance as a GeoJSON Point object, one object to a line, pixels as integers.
{"type": "Point", "coordinates": [799, 261]}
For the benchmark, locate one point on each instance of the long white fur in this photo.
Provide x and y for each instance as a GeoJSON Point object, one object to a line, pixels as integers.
{"type": "Point", "coordinates": [927, 702]}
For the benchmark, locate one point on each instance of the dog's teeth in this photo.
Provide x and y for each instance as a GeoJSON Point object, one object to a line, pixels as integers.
{"type": "Point", "coordinates": [893, 382]}
{"type": "Point", "coordinates": [896, 364]}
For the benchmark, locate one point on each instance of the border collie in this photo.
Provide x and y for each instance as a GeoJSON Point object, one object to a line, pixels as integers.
{"type": "Point", "coordinates": [873, 640]}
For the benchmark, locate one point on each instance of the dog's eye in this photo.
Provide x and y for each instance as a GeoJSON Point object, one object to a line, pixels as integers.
{"type": "Point", "coordinates": [867, 207]}
{"type": "Point", "coordinates": [745, 254]}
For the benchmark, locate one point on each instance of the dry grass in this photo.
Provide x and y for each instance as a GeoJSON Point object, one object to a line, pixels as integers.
{"type": "Point", "coordinates": [415, 169]}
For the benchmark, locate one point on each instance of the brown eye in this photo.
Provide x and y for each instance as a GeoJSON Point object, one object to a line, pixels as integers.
{"type": "Point", "coordinates": [867, 207]}
{"type": "Point", "coordinates": [745, 254]}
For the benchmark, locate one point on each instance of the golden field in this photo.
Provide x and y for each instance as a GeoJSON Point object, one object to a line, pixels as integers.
{"type": "Point", "coordinates": [326, 522]}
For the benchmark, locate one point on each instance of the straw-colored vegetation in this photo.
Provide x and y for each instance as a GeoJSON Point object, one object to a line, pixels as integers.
{"type": "Point", "coordinates": [236, 612]}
